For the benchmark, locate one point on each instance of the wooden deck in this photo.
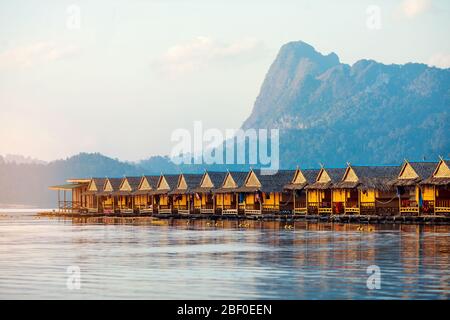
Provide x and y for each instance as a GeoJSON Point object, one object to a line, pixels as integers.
{"type": "Point", "coordinates": [372, 219]}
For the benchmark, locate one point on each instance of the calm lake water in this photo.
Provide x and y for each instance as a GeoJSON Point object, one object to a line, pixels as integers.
{"type": "Point", "coordinates": [231, 260]}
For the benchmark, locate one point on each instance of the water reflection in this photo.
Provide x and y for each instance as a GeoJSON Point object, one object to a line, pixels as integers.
{"type": "Point", "coordinates": [149, 258]}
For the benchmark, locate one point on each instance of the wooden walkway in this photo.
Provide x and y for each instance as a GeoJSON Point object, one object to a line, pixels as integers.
{"type": "Point", "coordinates": [369, 219]}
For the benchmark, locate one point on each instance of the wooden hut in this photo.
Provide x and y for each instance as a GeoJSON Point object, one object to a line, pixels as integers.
{"type": "Point", "coordinates": [108, 198]}
{"type": "Point", "coordinates": [226, 197]}
{"type": "Point", "coordinates": [75, 190]}
{"type": "Point", "coordinates": [366, 190]}
{"type": "Point", "coordinates": [95, 187]}
{"type": "Point", "coordinates": [125, 194]}
{"type": "Point", "coordinates": [182, 195]}
{"type": "Point", "coordinates": [203, 193]}
{"type": "Point", "coordinates": [439, 185]}
{"type": "Point", "coordinates": [296, 187]}
{"type": "Point", "coordinates": [320, 195]}
{"type": "Point", "coordinates": [264, 192]}
{"type": "Point", "coordinates": [144, 202]}
{"type": "Point", "coordinates": [162, 201]}
{"type": "Point", "coordinates": [411, 196]}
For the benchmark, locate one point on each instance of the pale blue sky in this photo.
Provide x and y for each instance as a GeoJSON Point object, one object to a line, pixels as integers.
{"type": "Point", "coordinates": [136, 70]}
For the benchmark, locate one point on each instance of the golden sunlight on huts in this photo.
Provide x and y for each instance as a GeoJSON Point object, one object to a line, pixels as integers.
{"type": "Point", "coordinates": [320, 195]}
{"type": "Point", "coordinates": [226, 196]}
{"type": "Point", "coordinates": [413, 198]}
{"type": "Point", "coordinates": [414, 188]}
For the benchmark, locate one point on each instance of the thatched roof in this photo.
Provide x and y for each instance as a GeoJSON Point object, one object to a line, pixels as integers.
{"type": "Point", "coordinates": [371, 177]}
{"type": "Point", "coordinates": [172, 181]}
{"type": "Point", "coordinates": [239, 179]}
{"type": "Point", "coordinates": [216, 179]}
{"type": "Point", "coordinates": [133, 182]}
{"type": "Point", "coordinates": [310, 177]}
{"type": "Point", "coordinates": [335, 175]}
{"type": "Point", "coordinates": [192, 181]}
{"type": "Point", "coordinates": [424, 171]}
{"type": "Point", "coordinates": [269, 182]}
{"type": "Point", "coordinates": [152, 181]}
{"type": "Point", "coordinates": [438, 181]}
{"type": "Point", "coordinates": [99, 183]}
{"type": "Point", "coordinates": [115, 183]}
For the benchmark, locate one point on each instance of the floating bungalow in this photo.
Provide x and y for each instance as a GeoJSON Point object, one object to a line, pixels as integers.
{"type": "Point", "coordinates": [320, 196]}
{"type": "Point", "coordinates": [94, 189]}
{"type": "Point", "coordinates": [412, 189]}
{"type": "Point", "coordinates": [204, 201]}
{"type": "Point", "coordinates": [413, 198]}
{"type": "Point", "coordinates": [128, 202]}
{"type": "Point", "coordinates": [78, 188]}
{"type": "Point", "coordinates": [227, 196]}
{"type": "Point", "coordinates": [296, 187]}
{"type": "Point", "coordinates": [439, 186]}
{"type": "Point", "coordinates": [144, 200]}
{"type": "Point", "coordinates": [182, 195]}
{"type": "Point", "coordinates": [264, 192]}
{"type": "Point", "coordinates": [162, 200]}
{"type": "Point", "coordinates": [109, 202]}
{"type": "Point", "coordinates": [366, 190]}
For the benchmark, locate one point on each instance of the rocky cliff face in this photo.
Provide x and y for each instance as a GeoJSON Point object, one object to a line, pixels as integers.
{"type": "Point", "coordinates": [365, 113]}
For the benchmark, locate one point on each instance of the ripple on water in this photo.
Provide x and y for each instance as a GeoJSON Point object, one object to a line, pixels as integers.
{"type": "Point", "coordinates": [264, 261]}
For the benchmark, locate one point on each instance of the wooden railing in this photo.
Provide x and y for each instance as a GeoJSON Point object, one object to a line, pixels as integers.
{"type": "Point", "coordinates": [270, 207]}
{"type": "Point", "coordinates": [442, 206]}
{"type": "Point", "coordinates": [409, 206]}
{"type": "Point", "coordinates": [180, 206]}
{"type": "Point", "coordinates": [325, 207]}
{"type": "Point", "coordinates": [69, 206]}
{"type": "Point", "coordinates": [164, 208]}
{"type": "Point", "coordinates": [351, 204]}
{"type": "Point", "coordinates": [229, 209]}
{"type": "Point", "coordinates": [207, 208]}
{"type": "Point", "coordinates": [252, 206]}
{"type": "Point", "coordinates": [146, 208]}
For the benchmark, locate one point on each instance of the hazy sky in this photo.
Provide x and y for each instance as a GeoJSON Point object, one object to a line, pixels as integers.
{"type": "Point", "coordinates": [118, 77]}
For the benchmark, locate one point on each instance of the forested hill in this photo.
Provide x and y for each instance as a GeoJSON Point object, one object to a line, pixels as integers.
{"type": "Point", "coordinates": [367, 112]}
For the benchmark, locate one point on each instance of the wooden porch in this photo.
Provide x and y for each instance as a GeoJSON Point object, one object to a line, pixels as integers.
{"type": "Point", "coordinates": [145, 209]}
{"type": "Point", "coordinates": [409, 207]}
{"type": "Point", "coordinates": [442, 206]}
{"type": "Point", "coordinates": [164, 209]}
{"type": "Point", "coordinates": [207, 208]}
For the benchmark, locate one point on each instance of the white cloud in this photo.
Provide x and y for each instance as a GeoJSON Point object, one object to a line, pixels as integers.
{"type": "Point", "coordinates": [440, 60]}
{"type": "Point", "coordinates": [204, 51]}
{"type": "Point", "coordinates": [413, 8]}
{"type": "Point", "coordinates": [36, 53]}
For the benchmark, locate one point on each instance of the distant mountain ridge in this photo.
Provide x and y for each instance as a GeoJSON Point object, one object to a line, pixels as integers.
{"type": "Point", "coordinates": [20, 159]}
{"type": "Point", "coordinates": [365, 113]}
{"type": "Point", "coordinates": [328, 112]}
